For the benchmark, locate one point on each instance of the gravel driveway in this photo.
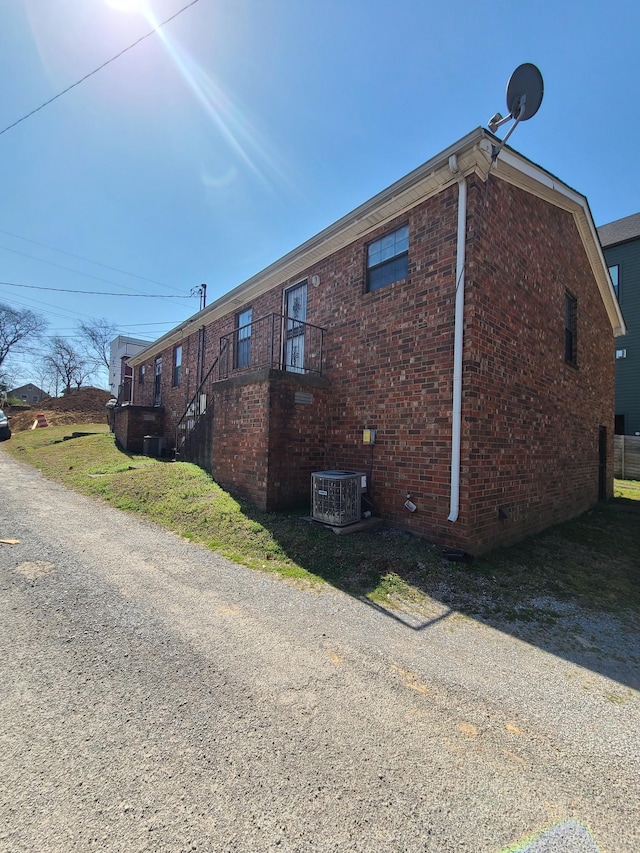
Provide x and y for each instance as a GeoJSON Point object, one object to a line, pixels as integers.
{"type": "Point", "coordinates": [156, 697]}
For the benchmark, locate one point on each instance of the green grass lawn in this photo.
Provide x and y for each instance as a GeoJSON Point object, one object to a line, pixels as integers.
{"type": "Point", "coordinates": [594, 559]}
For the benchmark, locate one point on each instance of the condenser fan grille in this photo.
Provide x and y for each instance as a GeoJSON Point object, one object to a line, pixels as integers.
{"type": "Point", "coordinates": [336, 497]}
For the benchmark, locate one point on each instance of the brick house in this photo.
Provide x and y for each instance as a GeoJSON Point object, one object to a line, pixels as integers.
{"type": "Point", "coordinates": [451, 338]}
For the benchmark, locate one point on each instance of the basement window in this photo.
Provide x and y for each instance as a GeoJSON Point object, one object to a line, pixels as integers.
{"type": "Point", "coordinates": [388, 259]}
{"type": "Point", "coordinates": [570, 329]}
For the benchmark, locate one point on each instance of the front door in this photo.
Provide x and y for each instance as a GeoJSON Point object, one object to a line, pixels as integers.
{"type": "Point", "coordinates": [295, 318]}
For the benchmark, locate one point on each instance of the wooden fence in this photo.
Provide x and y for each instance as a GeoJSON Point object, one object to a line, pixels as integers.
{"type": "Point", "coordinates": [626, 457]}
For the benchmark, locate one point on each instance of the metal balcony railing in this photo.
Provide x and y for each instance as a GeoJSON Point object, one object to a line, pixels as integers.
{"type": "Point", "coordinates": [275, 342]}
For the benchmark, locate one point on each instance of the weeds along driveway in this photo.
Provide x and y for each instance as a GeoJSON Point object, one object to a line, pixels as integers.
{"type": "Point", "coordinates": [157, 696]}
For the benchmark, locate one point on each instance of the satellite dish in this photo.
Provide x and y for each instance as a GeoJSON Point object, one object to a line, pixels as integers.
{"type": "Point", "coordinates": [524, 96]}
{"type": "Point", "coordinates": [524, 92]}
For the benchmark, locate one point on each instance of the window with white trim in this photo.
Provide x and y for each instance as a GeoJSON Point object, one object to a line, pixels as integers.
{"type": "Point", "coordinates": [388, 259]}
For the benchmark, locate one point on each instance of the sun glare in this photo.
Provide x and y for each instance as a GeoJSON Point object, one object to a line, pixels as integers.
{"type": "Point", "coordinates": [141, 6]}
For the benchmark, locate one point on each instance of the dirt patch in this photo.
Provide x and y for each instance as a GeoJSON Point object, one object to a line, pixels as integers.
{"type": "Point", "coordinates": [81, 406]}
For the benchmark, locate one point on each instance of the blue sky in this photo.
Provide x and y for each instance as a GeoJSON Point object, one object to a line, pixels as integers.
{"type": "Point", "coordinates": [244, 127]}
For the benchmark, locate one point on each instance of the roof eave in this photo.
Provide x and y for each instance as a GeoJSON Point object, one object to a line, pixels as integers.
{"type": "Point", "coordinates": [473, 153]}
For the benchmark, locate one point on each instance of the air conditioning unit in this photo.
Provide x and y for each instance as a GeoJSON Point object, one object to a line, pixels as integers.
{"type": "Point", "coordinates": [336, 497]}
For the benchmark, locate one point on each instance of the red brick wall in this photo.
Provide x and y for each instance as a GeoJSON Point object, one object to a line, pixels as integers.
{"type": "Point", "coordinates": [132, 423]}
{"type": "Point", "coordinates": [530, 422]}
{"type": "Point", "coordinates": [240, 439]}
{"type": "Point", "coordinates": [266, 441]}
{"type": "Point", "coordinates": [298, 414]}
{"type": "Point", "coordinates": [389, 358]}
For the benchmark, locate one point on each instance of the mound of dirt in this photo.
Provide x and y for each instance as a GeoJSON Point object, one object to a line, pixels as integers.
{"type": "Point", "coordinates": [80, 406]}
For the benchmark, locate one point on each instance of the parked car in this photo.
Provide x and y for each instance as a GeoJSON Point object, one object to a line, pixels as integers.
{"type": "Point", "coordinates": [5, 429]}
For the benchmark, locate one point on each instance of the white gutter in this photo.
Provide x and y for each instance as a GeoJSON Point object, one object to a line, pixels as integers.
{"type": "Point", "coordinates": [456, 419]}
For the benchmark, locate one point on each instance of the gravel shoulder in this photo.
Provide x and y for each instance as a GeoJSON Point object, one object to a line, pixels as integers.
{"type": "Point", "coordinates": [158, 697]}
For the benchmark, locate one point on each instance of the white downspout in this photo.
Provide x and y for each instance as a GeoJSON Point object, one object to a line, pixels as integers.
{"type": "Point", "coordinates": [456, 420]}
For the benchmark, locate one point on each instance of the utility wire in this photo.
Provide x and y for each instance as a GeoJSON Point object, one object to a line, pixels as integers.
{"type": "Point", "coordinates": [78, 257]}
{"type": "Point", "coordinates": [68, 269]}
{"type": "Point", "coordinates": [96, 292]}
{"type": "Point", "coordinates": [99, 68]}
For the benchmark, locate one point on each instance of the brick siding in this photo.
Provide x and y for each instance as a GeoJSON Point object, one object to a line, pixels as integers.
{"type": "Point", "coordinates": [530, 421]}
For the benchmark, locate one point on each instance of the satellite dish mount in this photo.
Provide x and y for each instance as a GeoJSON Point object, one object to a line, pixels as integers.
{"type": "Point", "coordinates": [524, 96]}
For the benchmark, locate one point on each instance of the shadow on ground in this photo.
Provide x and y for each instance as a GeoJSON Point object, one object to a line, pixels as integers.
{"type": "Point", "coordinates": [573, 590]}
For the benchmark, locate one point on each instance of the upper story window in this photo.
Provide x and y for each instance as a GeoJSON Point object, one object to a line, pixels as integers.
{"type": "Point", "coordinates": [570, 329]}
{"type": "Point", "coordinates": [388, 259]}
{"type": "Point", "coordinates": [141, 372]}
{"type": "Point", "coordinates": [614, 272]}
{"type": "Point", "coordinates": [177, 365]}
{"type": "Point", "coordinates": [243, 338]}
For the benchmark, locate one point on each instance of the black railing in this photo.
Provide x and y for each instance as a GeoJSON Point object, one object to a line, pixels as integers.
{"type": "Point", "coordinates": [197, 408]}
{"type": "Point", "coordinates": [273, 341]}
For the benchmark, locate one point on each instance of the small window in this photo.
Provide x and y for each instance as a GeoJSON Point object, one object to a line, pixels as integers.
{"type": "Point", "coordinates": [614, 272]}
{"type": "Point", "coordinates": [141, 372]}
{"type": "Point", "coordinates": [243, 338]}
{"type": "Point", "coordinates": [388, 259]}
{"type": "Point", "coordinates": [570, 329]}
{"type": "Point", "coordinates": [177, 365]}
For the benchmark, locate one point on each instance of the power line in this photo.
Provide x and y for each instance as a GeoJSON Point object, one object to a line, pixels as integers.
{"type": "Point", "coordinates": [78, 257]}
{"type": "Point", "coordinates": [67, 269]}
{"type": "Point", "coordinates": [95, 292]}
{"type": "Point", "coordinates": [99, 68]}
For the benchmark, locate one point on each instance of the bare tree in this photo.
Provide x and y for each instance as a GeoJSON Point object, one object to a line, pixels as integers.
{"type": "Point", "coordinates": [44, 375]}
{"type": "Point", "coordinates": [16, 327]}
{"type": "Point", "coordinates": [6, 381]}
{"type": "Point", "coordinates": [96, 337]}
{"type": "Point", "coordinates": [69, 365]}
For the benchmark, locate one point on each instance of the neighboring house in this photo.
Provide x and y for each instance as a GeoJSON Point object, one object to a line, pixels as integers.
{"type": "Point", "coordinates": [621, 243]}
{"type": "Point", "coordinates": [451, 338]}
{"type": "Point", "coordinates": [28, 393]}
{"type": "Point", "coordinates": [120, 373]}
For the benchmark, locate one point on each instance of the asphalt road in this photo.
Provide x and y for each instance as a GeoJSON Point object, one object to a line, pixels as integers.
{"type": "Point", "coordinates": [155, 697]}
